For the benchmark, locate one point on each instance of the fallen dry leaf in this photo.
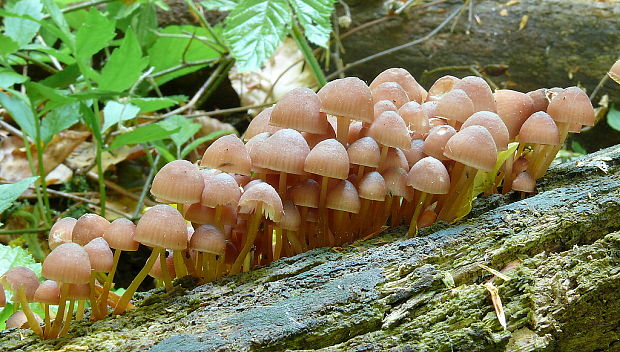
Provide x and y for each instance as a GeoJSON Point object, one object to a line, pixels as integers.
{"type": "Point", "coordinates": [523, 22]}
{"type": "Point", "coordinates": [497, 303]}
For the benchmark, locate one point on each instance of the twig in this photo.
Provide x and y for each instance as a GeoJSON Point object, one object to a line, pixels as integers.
{"type": "Point", "coordinates": [182, 66]}
{"type": "Point", "coordinates": [85, 200]}
{"type": "Point", "coordinates": [80, 6]}
{"type": "Point", "coordinates": [18, 231]}
{"type": "Point", "coordinates": [475, 71]}
{"type": "Point", "coordinates": [269, 94]}
{"type": "Point", "coordinates": [231, 110]}
{"type": "Point", "coordinates": [43, 65]}
{"type": "Point", "coordinates": [118, 189]}
{"type": "Point", "coordinates": [396, 48]}
{"type": "Point", "coordinates": [598, 87]}
{"type": "Point", "coordinates": [145, 189]}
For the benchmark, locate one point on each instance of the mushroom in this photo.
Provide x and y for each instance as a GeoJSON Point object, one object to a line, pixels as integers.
{"type": "Point", "coordinates": [300, 109]}
{"type": "Point", "coordinates": [260, 124]}
{"type": "Point", "coordinates": [101, 261]}
{"type": "Point", "coordinates": [479, 92]}
{"type": "Point", "coordinates": [210, 244]}
{"type": "Point", "coordinates": [343, 199]}
{"type": "Point", "coordinates": [48, 293]}
{"type": "Point", "coordinates": [614, 72]}
{"type": "Point", "coordinates": [371, 190]}
{"type": "Point", "coordinates": [61, 232]}
{"type": "Point", "coordinates": [390, 91]}
{"type": "Point", "coordinates": [389, 130]}
{"type": "Point", "coordinates": [23, 282]}
{"type": "Point", "coordinates": [88, 227]}
{"type": "Point", "coordinates": [401, 76]}
{"type": "Point", "coordinates": [227, 154]}
{"type": "Point", "coordinates": [429, 176]}
{"type": "Point", "coordinates": [364, 152]}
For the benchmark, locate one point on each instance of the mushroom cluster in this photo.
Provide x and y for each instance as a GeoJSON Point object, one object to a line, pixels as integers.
{"type": "Point", "coordinates": [317, 169]}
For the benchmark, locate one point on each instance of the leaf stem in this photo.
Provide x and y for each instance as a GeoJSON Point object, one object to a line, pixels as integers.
{"type": "Point", "coordinates": [149, 179]}
{"type": "Point", "coordinates": [303, 45]}
{"type": "Point", "coordinates": [21, 231]}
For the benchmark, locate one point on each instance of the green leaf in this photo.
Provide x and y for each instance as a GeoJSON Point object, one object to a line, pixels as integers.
{"type": "Point", "coordinates": [578, 148]}
{"type": "Point", "coordinates": [613, 117]}
{"type": "Point", "coordinates": [7, 45]}
{"type": "Point", "coordinates": [10, 192]}
{"type": "Point", "coordinates": [94, 34]}
{"type": "Point", "coordinates": [58, 120]}
{"type": "Point", "coordinates": [255, 29]}
{"type": "Point", "coordinates": [163, 151]}
{"type": "Point", "coordinates": [19, 29]}
{"type": "Point", "coordinates": [9, 77]}
{"type": "Point", "coordinates": [154, 104]}
{"type": "Point", "coordinates": [39, 93]}
{"type": "Point", "coordinates": [187, 128]}
{"type": "Point", "coordinates": [19, 108]}
{"type": "Point", "coordinates": [484, 180]}
{"type": "Point", "coordinates": [63, 78]}
{"type": "Point", "coordinates": [315, 18]}
{"type": "Point", "coordinates": [125, 65]}
{"type": "Point", "coordinates": [57, 17]}
{"type": "Point", "coordinates": [220, 5]}
{"type": "Point", "coordinates": [91, 121]}
{"type": "Point", "coordinates": [198, 141]}
{"type": "Point", "coordinates": [115, 112]}
{"type": "Point", "coordinates": [5, 313]}
{"type": "Point", "coordinates": [169, 52]}
{"type": "Point", "coordinates": [148, 133]}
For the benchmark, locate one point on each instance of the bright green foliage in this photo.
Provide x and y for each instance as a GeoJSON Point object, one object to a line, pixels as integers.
{"type": "Point", "coordinates": [9, 77]}
{"type": "Point", "coordinates": [125, 65]}
{"type": "Point", "coordinates": [315, 17]}
{"type": "Point", "coordinates": [154, 104]}
{"type": "Point", "coordinates": [115, 112]}
{"type": "Point", "coordinates": [19, 29]}
{"type": "Point", "coordinates": [187, 129]}
{"type": "Point", "coordinates": [143, 134]}
{"type": "Point", "coordinates": [220, 5]}
{"type": "Point", "coordinates": [613, 118]}
{"type": "Point", "coordinates": [10, 192]}
{"type": "Point", "coordinates": [58, 120]}
{"type": "Point", "coordinates": [95, 34]}
{"type": "Point", "coordinates": [7, 45]}
{"type": "Point", "coordinates": [255, 29]}
{"type": "Point", "coordinates": [18, 107]}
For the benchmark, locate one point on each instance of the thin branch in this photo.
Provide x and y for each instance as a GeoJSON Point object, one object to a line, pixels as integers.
{"type": "Point", "coordinates": [475, 71]}
{"type": "Point", "coordinates": [598, 87]}
{"type": "Point", "coordinates": [117, 188]}
{"type": "Point", "coordinates": [396, 48]}
{"type": "Point", "coordinates": [145, 189]}
{"type": "Point", "coordinates": [85, 200]}
{"type": "Point", "coordinates": [182, 66]}
{"type": "Point", "coordinates": [231, 110]}
{"type": "Point", "coordinates": [81, 6]}
{"type": "Point", "coordinates": [20, 231]}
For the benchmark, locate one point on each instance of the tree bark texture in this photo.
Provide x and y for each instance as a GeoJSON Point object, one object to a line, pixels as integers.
{"type": "Point", "coordinates": [561, 42]}
{"type": "Point", "coordinates": [560, 249]}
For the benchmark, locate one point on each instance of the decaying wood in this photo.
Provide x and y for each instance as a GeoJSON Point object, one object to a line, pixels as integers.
{"type": "Point", "coordinates": [559, 250]}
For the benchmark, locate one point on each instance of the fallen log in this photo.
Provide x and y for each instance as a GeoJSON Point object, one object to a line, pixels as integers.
{"type": "Point", "coordinates": [559, 253]}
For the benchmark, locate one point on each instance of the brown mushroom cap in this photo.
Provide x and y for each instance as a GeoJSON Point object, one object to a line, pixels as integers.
{"type": "Point", "coordinates": [16, 320]}
{"type": "Point", "coordinates": [300, 109]}
{"type": "Point", "coordinates": [48, 293]}
{"type": "Point", "coordinates": [314, 139]}
{"type": "Point", "coordinates": [372, 186]}
{"type": "Point", "coordinates": [389, 129]}
{"type": "Point", "coordinates": [199, 214]}
{"type": "Point", "coordinates": [381, 107]}
{"type": "Point", "coordinates": [347, 97]}
{"type": "Point", "coordinates": [291, 220]}
{"type": "Point", "coordinates": [435, 142]}
{"type": "Point", "coordinates": [539, 129]}
{"type": "Point", "coordinates": [364, 151]}
{"type": "Point", "coordinates": [328, 158]}
{"type": "Point", "coordinates": [260, 124]}
{"type": "Point", "coordinates": [614, 72]}
{"type": "Point", "coordinates": [396, 183]}
{"type": "Point", "coordinates": [162, 226]}
{"type": "Point", "coordinates": [253, 146]}
{"type": "Point", "coordinates": [178, 181]}
{"type": "Point", "coordinates": [100, 255]}
{"type": "Point", "coordinates": [156, 269]}
{"type": "Point", "coordinates": [283, 151]}
{"type": "Point", "coordinates": [119, 235]}
{"type": "Point", "coordinates": [473, 146]}
{"type": "Point", "coordinates": [429, 175]}
{"type": "Point", "coordinates": [416, 152]}
{"type": "Point", "coordinates": [61, 232]}
{"type": "Point", "coordinates": [441, 86]}
{"type": "Point", "coordinates": [572, 106]}
{"type": "Point", "coordinates": [67, 263]}
{"type": "Point", "coordinates": [343, 196]}
{"type": "Point", "coordinates": [479, 92]}
{"type": "Point", "coordinates": [514, 108]}
{"type": "Point", "coordinates": [78, 291]}
{"type": "Point", "coordinates": [221, 189]}
{"type": "Point", "coordinates": [208, 239]}
{"type": "Point", "coordinates": [88, 227]}
{"type": "Point", "coordinates": [429, 108]}
{"type": "Point", "coordinates": [415, 118]}
{"type": "Point", "coordinates": [405, 80]}
{"type": "Point", "coordinates": [455, 105]}
{"type": "Point", "coordinates": [539, 98]}
{"type": "Point", "coordinates": [264, 194]}
{"type": "Point", "coordinates": [305, 194]}
{"type": "Point", "coordinates": [228, 154]}
{"type": "Point", "coordinates": [494, 124]}
{"type": "Point", "coordinates": [524, 182]}
{"type": "Point", "coordinates": [391, 91]}
{"type": "Point", "coordinates": [18, 276]}
{"type": "Point", "coordinates": [395, 158]}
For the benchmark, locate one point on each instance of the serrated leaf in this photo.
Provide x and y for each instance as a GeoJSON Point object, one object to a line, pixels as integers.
{"type": "Point", "coordinates": [154, 104]}
{"type": "Point", "coordinates": [93, 35]}
{"type": "Point", "coordinates": [148, 133]}
{"type": "Point", "coordinates": [19, 29]}
{"type": "Point", "coordinates": [315, 18]}
{"type": "Point", "coordinates": [7, 45]}
{"type": "Point", "coordinates": [220, 5]}
{"type": "Point", "coordinates": [255, 29]}
{"type": "Point", "coordinates": [169, 52]}
{"type": "Point", "coordinates": [58, 120]}
{"type": "Point", "coordinates": [613, 118]}
{"type": "Point", "coordinates": [18, 107]}
{"type": "Point", "coordinates": [124, 66]}
{"type": "Point", "coordinates": [187, 128]}
{"type": "Point", "coordinates": [115, 112]}
{"type": "Point", "coordinates": [10, 192]}
{"type": "Point", "coordinates": [9, 77]}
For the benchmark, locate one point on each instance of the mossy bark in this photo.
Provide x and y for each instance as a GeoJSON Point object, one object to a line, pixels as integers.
{"type": "Point", "coordinates": [420, 294]}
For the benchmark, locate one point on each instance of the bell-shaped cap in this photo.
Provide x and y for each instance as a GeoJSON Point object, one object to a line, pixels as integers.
{"type": "Point", "coordinates": [396, 183]}
{"type": "Point", "coordinates": [208, 239]}
{"type": "Point", "coordinates": [227, 154]}
{"type": "Point", "coordinates": [514, 108]}
{"type": "Point", "coordinates": [284, 151]}
{"type": "Point", "coordinates": [364, 151]}
{"type": "Point", "coordinates": [381, 107]}
{"type": "Point", "coordinates": [120, 235]}
{"type": "Point", "coordinates": [539, 129]}
{"type": "Point", "coordinates": [455, 105]}
{"type": "Point", "coordinates": [178, 181]}
{"type": "Point", "coordinates": [61, 232]}
{"type": "Point", "coordinates": [435, 142]}
{"type": "Point", "coordinates": [47, 293]}
{"type": "Point", "coordinates": [494, 124]}
{"type": "Point", "coordinates": [401, 76]}
{"type": "Point", "coordinates": [389, 129]}
{"type": "Point", "coordinates": [67, 263]}
{"type": "Point", "coordinates": [348, 97]}
{"type": "Point", "coordinates": [265, 195]}
{"type": "Point", "coordinates": [100, 255]}
{"type": "Point", "coordinates": [441, 86]}
{"type": "Point", "coordinates": [88, 227]}
{"type": "Point", "coordinates": [415, 118]}
{"type": "Point", "coordinates": [429, 108]}
{"type": "Point", "coordinates": [156, 269]}
{"type": "Point", "coordinates": [391, 91]}
{"type": "Point", "coordinates": [429, 175]}
{"type": "Point", "coordinates": [572, 106]}
{"type": "Point", "coordinates": [614, 72]}
{"type": "Point", "coordinates": [19, 276]}
{"type": "Point", "coordinates": [300, 109]}
{"type": "Point", "coordinates": [343, 196]}
{"type": "Point", "coordinates": [305, 194]}
{"type": "Point", "coordinates": [253, 146]}
{"type": "Point", "coordinates": [473, 146]}
{"type": "Point", "coordinates": [328, 158]}
{"type": "Point", "coordinates": [314, 139]}
{"type": "Point", "coordinates": [524, 182]}
{"type": "Point", "coordinates": [162, 226]}
{"type": "Point", "coordinates": [539, 99]}
{"type": "Point", "coordinates": [372, 186]}
{"type": "Point", "coordinates": [291, 220]}
{"type": "Point", "coordinates": [395, 158]}
{"type": "Point", "coordinates": [221, 189]}
{"type": "Point", "coordinates": [479, 92]}
{"type": "Point", "coordinates": [416, 152]}
{"type": "Point", "coordinates": [260, 124]}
